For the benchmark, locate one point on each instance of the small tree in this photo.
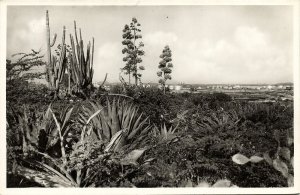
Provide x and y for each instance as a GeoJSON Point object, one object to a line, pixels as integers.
{"type": "Point", "coordinates": [165, 66]}
{"type": "Point", "coordinates": [133, 50]}
{"type": "Point", "coordinates": [22, 68]}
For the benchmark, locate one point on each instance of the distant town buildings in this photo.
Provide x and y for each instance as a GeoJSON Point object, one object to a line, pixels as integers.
{"type": "Point", "coordinates": [177, 87]}
{"type": "Point", "coordinates": [199, 88]}
{"type": "Point", "coordinates": [253, 93]}
{"type": "Point", "coordinates": [210, 88]}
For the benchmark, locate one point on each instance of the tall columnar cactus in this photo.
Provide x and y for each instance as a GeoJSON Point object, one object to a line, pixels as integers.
{"type": "Point", "coordinates": [81, 66]}
{"type": "Point", "coordinates": [55, 67]}
{"type": "Point", "coordinates": [78, 64]}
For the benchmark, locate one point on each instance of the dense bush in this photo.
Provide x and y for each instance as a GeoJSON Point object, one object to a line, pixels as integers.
{"type": "Point", "coordinates": [23, 92]}
{"type": "Point", "coordinates": [158, 106]}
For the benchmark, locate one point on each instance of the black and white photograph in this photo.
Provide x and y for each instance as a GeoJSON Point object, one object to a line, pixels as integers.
{"type": "Point", "coordinates": [160, 96]}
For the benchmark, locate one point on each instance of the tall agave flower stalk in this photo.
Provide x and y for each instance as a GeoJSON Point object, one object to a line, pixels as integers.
{"type": "Point", "coordinates": [81, 65]}
{"type": "Point", "coordinates": [56, 66]}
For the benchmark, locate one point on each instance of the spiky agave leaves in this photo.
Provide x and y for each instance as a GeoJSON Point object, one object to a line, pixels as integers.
{"type": "Point", "coordinates": [52, 171]}
{"type": "Point", "coordinates": [98, 121]}
{"type": "Point", "coordinates": [81, 151]}
{"type": "Point", "coordinates": [130, 121]}
{"type": "Point", "coordinates": [53, 174]}
{"type": "Point", "coordinates": [45, 178]}
{"type": "Point", "coordinates": [29, 135]}
{"type": "Point", "coordinates": [119, 122]}
{"type": "Point", "coordinates": [164, 133]}
{"type": "Point", "coordinates": [44, 131]}
{"type": "Point", "coordinates": [70, 168]}
{"type": "Point", "coordinates": [36, 134]}
{"type": "Point", "coordinates": [62, 129]}
{"type": "Point", "coordinates": [86, 125]}
{"type": "Point", "coordinates": [219, 119]}
{"type": "Point", "coordinates": [117, 141]}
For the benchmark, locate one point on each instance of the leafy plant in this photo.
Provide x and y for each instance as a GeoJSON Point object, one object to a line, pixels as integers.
{"type": "Point", "coordinates": [221, 183]}
{"type": "Point", "coordinates": [282, 160]}
{"type": "Point", "coordinates": [241, 159]}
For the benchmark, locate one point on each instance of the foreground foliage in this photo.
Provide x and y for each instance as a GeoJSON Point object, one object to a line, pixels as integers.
{"type": "Point", "coordinates": [150, 140]}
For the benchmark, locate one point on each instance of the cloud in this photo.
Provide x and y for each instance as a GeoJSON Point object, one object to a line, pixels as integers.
{"type": "Point", "coordinates": [154, 44]}
{"type": "Point", "coordinates": [37, 26]}
{"type": "Point", "coordinates": [249, 46]}
{"type": "Point", "coordinates": [250, 38]}
{"type": "Point", "coordinates": [160, 38]}
{"type": "Point", "coordinates": [109, 56]}
{"type": "Point", "coordinates": [247, 57]}
{"type": "Point", "coordinates": [108, 59]}
{"type": "Point", "coordinates": [30, 35]}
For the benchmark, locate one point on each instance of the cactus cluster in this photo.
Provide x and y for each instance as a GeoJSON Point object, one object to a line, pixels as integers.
{"type": "Point", "coordinates": [81, 65]}
{"type": "Point", "coordinates": [55, 67]}
{"type": "Point", "coordinates": [73, 63]}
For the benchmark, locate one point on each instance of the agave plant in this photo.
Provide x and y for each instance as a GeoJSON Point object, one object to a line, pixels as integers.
{"type": "Point", "coordinates": [71, 167]}
{"type": "Point", "coordinates": [33, 132]}
{"type": "Point", "coordinates": [219, 119]}
{"type": "Point", "coordinates": [164, 133]}
{"type": "Point", "coordinates": [38, 136]}
{"type": "Point", "coordinates": [118, 123]}
{"type": "Point", "coordinates": [54, 170]}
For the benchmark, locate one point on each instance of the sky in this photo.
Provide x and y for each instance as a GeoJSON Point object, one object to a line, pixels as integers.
{"type": "Point", "coordinates": [211, 44]}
